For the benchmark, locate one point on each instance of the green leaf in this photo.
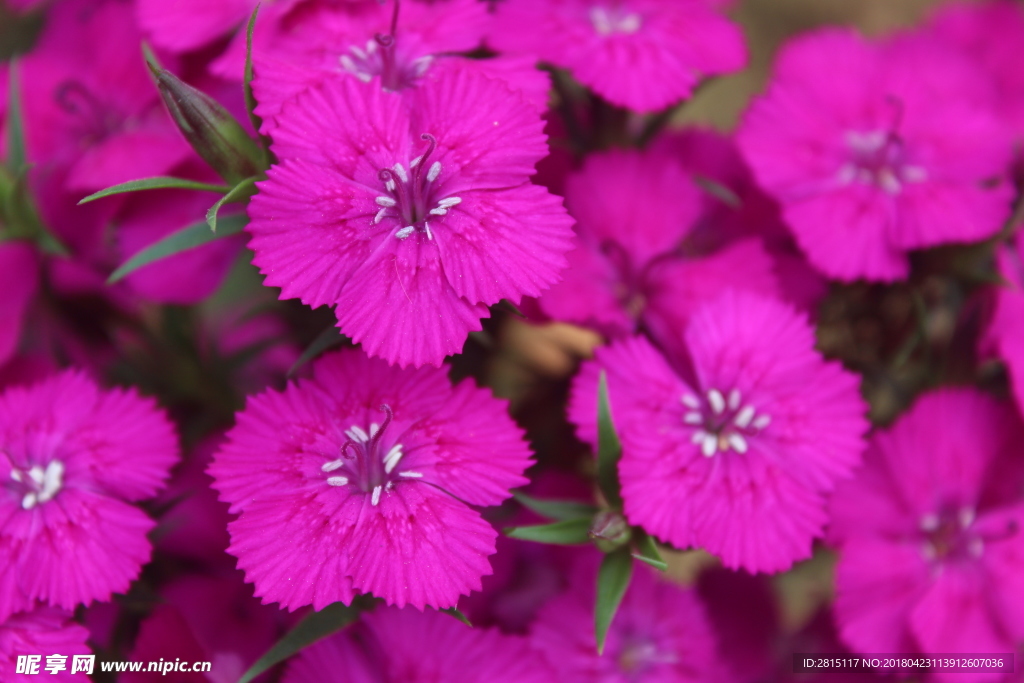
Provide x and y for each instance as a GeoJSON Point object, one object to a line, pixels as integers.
{"type": "Point", "coordinates": [157, 183]}
{"type": "Point", "coordinates": [612, 581]}
{"type": "Point", "coordinates": [452, 611]}
{"type": "Point", "coordinates": [327, 339]}
{"type": "Point", "coordinates": [609, 450]}
{"type": "Point", "coordinates": [719, 191]}
{"type": "Point", "coordinates": [190, 237]}
{"type": "Point", "coordinates": [242, 190]}
{"type": "Point", "coordinates": [560, 510]}
{"type": "Point", "coordinates": [314, 627]}
{"type": "Point", "coordinates": [16, 158]}
{"type": "Point", "coordinates": [250, 99]}
{"type": "Point", "coordinates": [569, 532]}
{"type": "Point", "coordinates": [647, 551]}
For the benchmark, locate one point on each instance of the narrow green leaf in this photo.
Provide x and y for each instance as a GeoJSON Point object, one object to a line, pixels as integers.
{"type": "Point", "coordinates": [157, 183]}
{"type": "Point", "coordinates": [647, 551]}
{"type": "Point", "coordinates": [16, 158]}
{"type": "Point", "coordinates": [250, 99]}
{"type": "Point", "coordinates": [190, 237]}
{"type": "Point", "coordinates": [314, 627]}
{"type": "Point", "coordinates": [719, 191]}
{"type": "Point", "coordinates": [609, 450]}
{"type": "Point", "coordinates": [560, 510]}
{"type": "Point", "coordinates": [327, 339]}
{"type": "Point", "coordinates": [612, 581]}
{"type": "Point", "coordinates": [454, 612]}
{"type": "Point", "coordinates": [242, 190]}
{"type": "Point", "coordinates": [569, 532]}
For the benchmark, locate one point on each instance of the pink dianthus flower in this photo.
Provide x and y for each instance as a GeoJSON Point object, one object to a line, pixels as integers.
{"type": "Point", "coordinates": [733, 448]}
{"type": "Point", "coordinates": [931, 532]}
{"type": "Point", "coordinates": [41, 632]}
{"type": "Point", "coordinates": [404, 645]}
{"type": "Point", "coordinates": [876, 149]}
{"type": "Point", "coordinates": [362, 478]}
{"type": "Point", "coordinates": [640, 54]}
{"type": "Point", "coordinates": [73, 459]}
{"type": "Point", "coordinates": [408, 213]}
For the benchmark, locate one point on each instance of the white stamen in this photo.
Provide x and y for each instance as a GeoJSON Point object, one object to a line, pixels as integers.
{"type": "Point", "coordinates": [734, 399]}
{"type": "Point", "coordinates": [976, 547]}
{"type": "Point", "coordinates": [422, 64]}
{"type": "Point", "coordinates": [629, 23]}
{"type": "Point", "coordinates": [332, 465]}
{"type": "Point", "coordinates": [364, 77]}
{"type": "Point", "coordinates": [392, 458]}
{"type": "Point", "coordinates": [347, 64]}
{"type": "Point", "coordinates": [434, 171]}
{"type": "Point", "coordinates": [717, 401]}
{"type": "Point", "coordinates": [337, 481]}
{"type": "Point", "coordinates": [405, 232]}
{"type": "Point", "coordinates": [599, 18]}
{"type": "Point", "coordinates": [889, 182]}
{"type": "Point", "coordinates": [356, 433]}
{"type": "Point", "coordinates": [965, 517]}
{"type": "Point", "coordinates": [439, 212]}
{"type": "Point", "coordinates": [449, 202]}
{"type": "Point", "coordinates": [380, 216]}
{"type": "Point", "coordinates": [400, 172]}
{"type": "Point", "coordinates": [390, 185]}
{"type": "Point", "coordinates": [371, 46]}
{"type": "Point", "coordinates": [691, 401]}
{"type": "Point", "coordinates": [29, 501]}
{"type": "Point", "coordinates": [698, 436]}
{"type": "Point", "coordinates": [374, 428]}
{"type": "Point", "coordinates": [416, 162]}
{"type": "Point", "coordinates": [738, 443]}
{"type": "Point", "coordinates": [385, 201]}
{"type": "Point", "coordinates": [693, 418]}
{"type": "Point", "coordinates": [744, 417]}
{"type": "Point", "coordinates": [709, 445]}
{"type": "Point", "coordinates": [930, 522]}
{"type": "Point", "coordinates": [375, 498]}
{"type": "Point", "coordinates": [16, 475]}
{"type": "Point", "coordinates": [37, 475]}
{"type": "Point", "coordinates": [761, 421]}
{"type": "Point", "coordinates": [410, 474]}
{"type": "Point", "coordinates": [52, 481]}
{"type": "Point", "coordinates": [426, 226]}
{"type": "Point", "coordinates": [357, 52]}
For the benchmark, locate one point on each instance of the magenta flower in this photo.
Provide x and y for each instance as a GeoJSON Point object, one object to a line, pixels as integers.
{"type": "Point", "coordinates": [660, 633]}
{"type": "Point", "coordinates": [930, 532]}
{"type": "Point", "coordinates": [41, 632]}
{"type": "Point", "coordinates": [73, 459]}
{"type": "Point", "coordinates": [404, 645]}
{"type": "Point", "coordinates": [408, 213]}
{"type": "Point", "coordinates": [733, 449]}
{"type": "Point", "coordinates": [1004, 336]}
{"type": "Point", "coordinates": [361, 479]}
{"type": "Point", "coordinates": [185, 25]}
{"type": "Point", "coordinates": [875, 149]}
{"type": "Point", "coordinates": [640, 54]}
{"type": "Point", "coordinates": [634, 210]}
{"type": "Point", "coordinates": [19, 280]}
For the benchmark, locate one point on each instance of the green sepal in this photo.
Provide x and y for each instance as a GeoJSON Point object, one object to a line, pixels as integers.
{"type": "Point", "coordinates": [568, 532]}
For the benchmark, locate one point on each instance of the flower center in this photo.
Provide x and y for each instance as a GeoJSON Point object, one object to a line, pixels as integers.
{"type": "Point", "coordinates": [723, 421]}
{"type": "Point", "coordinates": [94, 120]}
{"type": "Point", "coordinates": [410, 195]}
{"type": "Point", "coordinates": [609, 20]}
{"type": "Point", "coordinates": [380, 57]}
{"type": "Point", "coordinates": [951, 535]}
{"type": "Point", "coordinates": [878, 157]}
{"type": "Point", "coordinates": [38, 485]}
{"type": "Point", "coordinates": [368, 460]}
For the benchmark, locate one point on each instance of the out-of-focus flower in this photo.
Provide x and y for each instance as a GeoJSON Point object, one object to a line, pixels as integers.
{"type": "Point", "coordinates": [361, 478]}
{"type": "Point", "coordinates": [931, 532]}
{"type": "Point", "coordinates": [19, 280]}
{"type": "Point", "coordinates": [876, 149]}
{"type": "Point", "coordinates": [404, 645]}
{"type": "Point", "coordinates": [640, 54]}
{"type": "Point", "coordinates": [660, 633]}
{"type": "Point", "coordinates": [409, 213]}
{"type": "Point", "coordinates": [1004, 336]}
{"type": "Point", "coordinates": [73, 459]}
{"type": "Point", "coordinates": [41, 632]}
{"type": "Point", "coordinates": [732, 446]}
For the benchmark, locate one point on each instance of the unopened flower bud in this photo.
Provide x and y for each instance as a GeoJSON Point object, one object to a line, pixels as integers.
{"type": "Point", "coordinates": [610, 531]}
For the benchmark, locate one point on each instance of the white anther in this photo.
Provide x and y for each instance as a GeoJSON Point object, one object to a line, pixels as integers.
{"type": "Point", "coordinates": [380, 216]}
{"type": "Point", "coordinates": [698, 436]}
{"type": "Point", "coordinates": [422, 64]}
{"type": "Point", "coordinates": [52, 480]}
{"type": "Point", "coordinates": [709, 445]}
{"type": "Point", "coordinates": [364, 77]}
{"type": "Point", "coordinates": [29, 501]}
{"type": "Point", "coordinates": [375, 498]}
{"type": "Point", "coordinates": [392, 458]}
{"type": "Point", "coordinates": [866, 142]}
{"type": "Point", "coordinates": [738, 443]}
{"type": "Point", "coordinates": [744, 417]}
{"type": "Point", "coordinates": [761, 421]}
{"type": "Point", "coordinates": [374, 428]}
{"type": "Point", "coordinates": [37, 475]}
{"type": "Point", "coordinates": [337, 481]}
{"type": "Point", "coordinates": [356, 433]}
{"type": "Point", "coordinates": [410, 474]}
{"type": "Point", "coordinates": [914, 174]}
{"type": "Point", "coordinates": [371, 46]}
{"type": "Point", "coordinates": [599, 18]}
{"type": "Point", "coordinates": [965, 517]}
{"type": "Point", "coordinates": [400, 172]}
{"type": "Point", "coordinates": [332, 465]}
{"type": "Point", "coordinates": [976, 547]}
{"type": "Point", "coordinates": [347, 64]}
{"type": "Point", "coordinates": [426, 226]}
{"type": "Point", "coordinates": [386, 202]}
{"type": "Point", "coordinates": [439, 212]}
{"type": "Point", "coordinates": [693, 418]}
{"type": "Point", "coordinates": [629, 23]}
{"type": "Point", "coordinates": [930, 522]}
{"type": "Point", "coordinates": [889, 182]}
{"type": "Point", "coordinates": [717, 401]}
{"type": "Point", "coordinates": [405, 232]}
{"type": "Point", "coordinates": [358, 52]}
{"type": "Point", "coordinates": [449, 202]}
{"type": "Point", "coordinates": [734, 399]}
{"type": "Point", "coordinates": [16, 475]}
{"type": "Point", "coordinates": [416, 162]}
{"type": "Point", "coordinates": [390, 185]}
{"type": "Point", "coordinates": [691, 401]}
{"type": "Point", "coordinates": [434, 171]}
